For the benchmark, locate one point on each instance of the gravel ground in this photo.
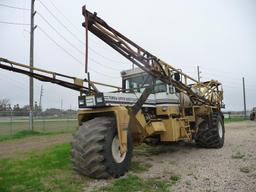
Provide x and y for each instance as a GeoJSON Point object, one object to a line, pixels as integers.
{"type": "Point", "coordinates": [231, 168]}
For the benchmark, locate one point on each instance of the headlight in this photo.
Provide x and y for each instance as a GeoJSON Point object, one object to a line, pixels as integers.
{"type": "Point", "coordinates": [99, 99]}
{"type": "Point", "coordinates": [89, 101]}
{"type": "Point", "coordinates": [81, 102]}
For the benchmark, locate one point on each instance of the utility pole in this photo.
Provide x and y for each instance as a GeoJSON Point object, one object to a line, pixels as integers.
{"type": "Point", "coordinates": [198, 74]}
{"type": "Point", "coordinates": [244, 98]}
{"type": "Point", "coordinates": [31, 63]}
{"type": "Point", "coordinates": [61, 104]}
{"type": "Point", "coordinates": [41, 97]}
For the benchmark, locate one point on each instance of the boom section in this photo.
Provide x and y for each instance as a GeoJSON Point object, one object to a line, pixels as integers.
{"type": "Point", "coordinates": [48, 76]}
{"type": "Point", "coordinates": [204, 93]}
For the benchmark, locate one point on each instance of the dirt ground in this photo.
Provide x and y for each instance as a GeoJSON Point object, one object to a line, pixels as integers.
{"type": "Point", "coordinates": [231, 168]}
{"type": "Point", "coordinates": [35, 143]}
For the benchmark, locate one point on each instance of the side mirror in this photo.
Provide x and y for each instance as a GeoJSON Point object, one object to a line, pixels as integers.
{"type": "Point", "coordinates": [177, 76]}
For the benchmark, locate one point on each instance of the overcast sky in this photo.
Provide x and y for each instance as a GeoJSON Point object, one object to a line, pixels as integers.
{"type": "Point", "coordinates": [218, 35]}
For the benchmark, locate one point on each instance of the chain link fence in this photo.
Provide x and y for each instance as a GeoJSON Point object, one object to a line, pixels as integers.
{"type": "Point", "coordinates": [11, 123]}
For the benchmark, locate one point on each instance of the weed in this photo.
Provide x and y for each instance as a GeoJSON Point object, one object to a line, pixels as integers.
{"type": "Point", "coordinates": [175, 178]}
{"type": "Point", "coordinates": [245, 169]}
{"type": "Point", "coordinates": [238, 155]}
{"type": "Point", "coordinates": [138, 167]}
{"type": "Point", "coordinates": [132, 183]}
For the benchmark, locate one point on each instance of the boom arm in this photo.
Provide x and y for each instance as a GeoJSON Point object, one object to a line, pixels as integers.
{"type": "Point", "coordinates": [151, 64]}
{"type": "Point", "coordinates": [53, 77]}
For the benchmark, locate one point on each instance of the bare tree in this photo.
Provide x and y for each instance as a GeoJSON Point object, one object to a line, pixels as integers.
{"type": "Point", "coordinates": [4, 104]}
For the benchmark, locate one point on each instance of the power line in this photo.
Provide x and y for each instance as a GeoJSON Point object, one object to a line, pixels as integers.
{"type": "Point", "coordinates": [68, 53]}
{"type": "Point", "coordinates": [63, 15]}
{"type": "Point", "coordinates": [64, 26]}
{"type": "Point", "coordinates": [71, 23]}
{"type": "Point", "coordinates": [111, 60]}
{"type": "Point", "coordinates": [74, 35]}
{"type": "Point", "coordinates": [60, 22]}
{"type": "Point", "coordinates": [13, 23]}
{"type": "Point", "coordinates": [57, 44]}
{"type": "Point", "coordinates": [71, 44]}
{"type": "Point", "coordinates": [95, 61]}
{"type": "Point", "coordinates": [20, 84]}
{"type": "Point", "coordinates": [110, 76]}
{"type": "Point", "coordinates": [14, 7]}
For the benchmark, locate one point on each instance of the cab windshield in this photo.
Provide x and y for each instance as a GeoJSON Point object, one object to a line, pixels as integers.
{"type": "Point", "coordinates": [138, 84]}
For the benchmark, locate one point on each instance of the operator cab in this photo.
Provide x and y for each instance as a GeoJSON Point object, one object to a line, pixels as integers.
{"type": "Point", "coordinates": [136, 80]}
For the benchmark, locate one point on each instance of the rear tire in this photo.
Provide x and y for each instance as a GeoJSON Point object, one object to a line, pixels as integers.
{"type": "Point", "coordinates": [252, 116]}
{"type": "Point", "coordinates": [211, 133]}
{"type": "Point", "coordinates": [95, 149]}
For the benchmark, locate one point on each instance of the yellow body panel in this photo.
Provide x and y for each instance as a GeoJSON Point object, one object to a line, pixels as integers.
{"type": "Point", "coordinates": [175, 130]}
{"type": "Point", "coordinates": [155, 127]}
{"type": "Point", "coordinates": [172, 130]}
{"type": "Point", "coordinates": [168, 110]}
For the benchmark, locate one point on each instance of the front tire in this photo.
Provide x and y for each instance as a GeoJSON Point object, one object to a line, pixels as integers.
{"type": "Point", "coordinates": [95, 149]}
{"type": "Point", "coordinates": [211, 133]}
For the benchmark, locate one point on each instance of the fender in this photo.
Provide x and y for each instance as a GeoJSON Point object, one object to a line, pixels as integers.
{"type": "Point", "coordinates": [122, 120]}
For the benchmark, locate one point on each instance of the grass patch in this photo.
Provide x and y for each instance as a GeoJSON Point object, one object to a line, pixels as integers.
{"type": "Point", "coordinates": [175, 178]}
{"type": "Point", "coordinates": [245, 169]}
{"type": "Point", "coordinates": [28, 133]}
{"type": "Point", "coordinates": [20, 134]}
{"type": "Point", "coordinates": [238, 155]}
{"type": "Point", "coordinates": [234, 119]}
{"type": "Point", "coordinates": [132, 183]}
{"type": "Point", "coordinates": [40, 171]}
{"type": "Point", "coordinates": [139, 167]}
{"type": "Point", "coordinates": [46, 125]}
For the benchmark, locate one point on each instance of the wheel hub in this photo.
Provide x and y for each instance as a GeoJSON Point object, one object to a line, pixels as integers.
{"type": "Point", "coordinates": [220, 129]}
{"type": "Point", "coordinates": [116, 153]}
